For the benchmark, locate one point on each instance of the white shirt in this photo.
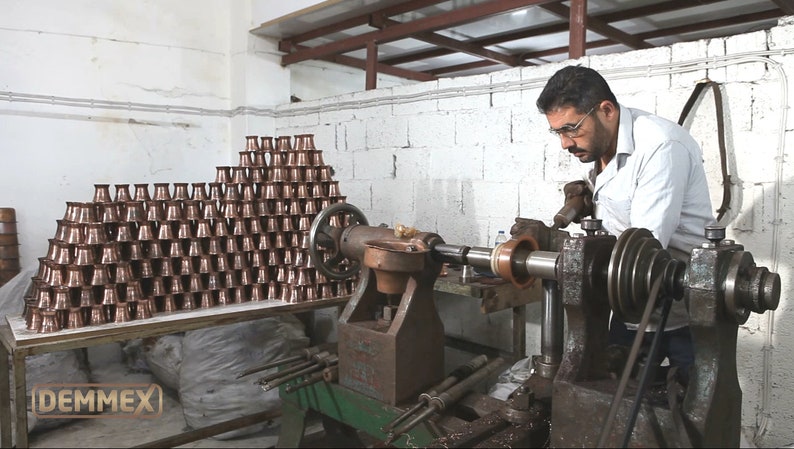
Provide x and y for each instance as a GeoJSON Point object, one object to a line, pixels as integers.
{"type": "Point", "coordinates": [655, 181]}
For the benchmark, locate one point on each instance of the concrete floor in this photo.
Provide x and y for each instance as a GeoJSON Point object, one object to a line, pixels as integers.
{"type": "Point", "coordinates": [107, 366]}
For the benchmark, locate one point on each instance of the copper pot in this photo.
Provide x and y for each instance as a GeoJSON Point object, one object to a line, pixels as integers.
{"type": "Point", "coordinates": [122, 193]}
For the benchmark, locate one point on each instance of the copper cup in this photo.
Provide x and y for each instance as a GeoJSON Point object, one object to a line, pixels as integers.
{"type": "Point", "coordinates": [188, 301]}
{"type": "Point", "coordinates": [317, 158]}
{"type": "Point", "coordinates": [86, 296]}
{"type": "Point", "coordinates": [264, 242]}
{"type": "Point", "coordinates": [210, 210]}
{"type": "Point", "coordinates": [49, 322]}
{"type": "Point", "coordinates": [279, 207]}
{"type": "Point", "coordinates": [215, 247]}
{"type": "Point", "coordinates": [145, 231]}
{"type": "Point", "coordinates": [60, 297]}
{"type": "Point", "coordinates": [194, 247]}
{"type": "Point", "coordinates": [175, 249]}
{"type": "Point", "coordinates": [207, 299]}
{"type": "Point", "coordinates": [122, 313]}
{"type": "Point", "coordinates": [326, 291]}
{"type": "Point", "coordinates": [100, 275]}
{"type": "Point", "coordinates": [141, 193]}
{"type": "Point", "coordinates": [75, 319]}
{"type": "Point", "coordinates": [55, 276]}
{"type": "Point", "coordinates": [223, 297]}
{"type": "Point", "coordinates": [44, 298]}
{"type": "Point", "coordinates": [205, 264]}
{"type": "Point", "coordinates": [173, 210]}
{"type": "Point", "coordinates": [274, 258]}
{"type": "Point", "coordinates": [109, 295]}
{"type": "Point", "coordinates": [287, 256]}
{"type": "Point", "coordinates": [216, 191]}
{"type": "Point", "coordinates": [122, 193]}
{"type": "Point", "coordinates": [73, 233]}
{"type": "Point", "coordinates": [286, 223]}
{"type": "Point", "coordinates": [199, 191]}
{"type": "Point", "coordinates": [185, 231]}
{"type": "Point", "coordinates": [134, 291]}
{"type": "Point", "coordinates": [166, 267]}
{"type": "Point", "coordinates": [169, 304]}
{"type": "Point", "coordinates": [277, 159]}
{"type": "Point", "coordinates": [176, 286]}
{"type": "Point", "coordinates": [58, 252]}
{"type": "Point", "coordinates": [144, 309]}
{"type": "Point", "coordinates": [247, 243]}
{"type": "Point", "coordinates": [257, 293]}
{"type": "Point", "coordinates": [180, 191]}
{"type": "Point", "coordinates": [133, 211]}
{"type": "Point", "coordinates": [222, 262]}
{"type": "Point", "coordinates": [231, 245]}
{"type": "Point", "coordinates": [185, 266]}
{"type": "Point", "coordinates": [239, 295]}
{"type": "Point", "coordinates": [266, 143]}
{"type": "Point", "coordinates": [97, 315]}
{"type": "Point", "coordinates": [154, 250]}
{"type": "Point", "coordinates": [273, 290]}
{"type": "Point", "coordinates": [33, 318]}
{"type": "Point", "coordinates": [256, 175]}
{"type": "Point", "coordinates": [251, 143]}
{"type": "Point", "coordinates": [124, 232]}
{"type": "Point", "coordinates": [262, 275]}
{"type": "Point", "coordinates": [239, 261]}
{"type": "Point", "coordinates": [223, 174]}
{"type": "Point", "coordinates": [123, 272]}
{"type": "Point", "coordinates": [83, 254]}
{"type": "Point", "coordinates": [231, 192]}
{"type": "Point", "coordinates": [164, 231]}
{"type": "Point", "coordinates": [102, 193]}
{"type": "Point", "coordinates": [240, 175]}
{"type": "Point", "coordinates": [192, 209]}
{"type": "Point", "coordinates": [214, 281]}
{"type": "Point", "coordinates": [108, 212]}
{"type": "Point", "coordinates": [74, 276]}
{"type": "Point", "coordinates": [270, 191]}
{"type": "Point", "coordinates": [311, 292]}
{"type": "Point", "coordinates": [247, 209]}
{"type": "Point", "coordinates": [239, 227]}
{"type": "Point", "coordinates": [255, 226]}
{"type": "Point", "coordinates": [155, 210]}
{"type": "Point", "coordinates": [245, 158]}
{"type": "Point", "coordinates": [134, 250]}
{"type": "Point", "coordinates": [158, 286]}
{"type": "Point", "coordinates": [195, 284]}
{"type": "Point", "coordinates": [162, 191]}
{"type": "Point", "coordinates": [145, 268]}
{"type": "Point", "coordinates": [262, 207]}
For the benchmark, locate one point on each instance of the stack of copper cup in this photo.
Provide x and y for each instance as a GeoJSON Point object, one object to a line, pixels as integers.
{"type": "Point", "coordinates": [134, 252]}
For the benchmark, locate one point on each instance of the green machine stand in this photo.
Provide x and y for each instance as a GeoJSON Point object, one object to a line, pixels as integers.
{"type": "Point", "coordinates": [346, 406]}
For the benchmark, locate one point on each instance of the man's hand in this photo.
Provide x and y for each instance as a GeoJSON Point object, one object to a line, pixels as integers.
{"type": "Point", "coordinates": [578, 204]}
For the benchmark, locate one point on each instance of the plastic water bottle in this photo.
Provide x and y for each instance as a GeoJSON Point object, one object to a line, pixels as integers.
{"type": "Point", "coordinates": [500, 238]}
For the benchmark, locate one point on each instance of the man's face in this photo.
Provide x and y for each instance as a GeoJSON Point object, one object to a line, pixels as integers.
{"type": "Point", "coordinates": [583, 135]}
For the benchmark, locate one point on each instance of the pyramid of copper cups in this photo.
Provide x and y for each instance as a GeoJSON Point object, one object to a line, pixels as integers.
{"type": "Point", "coordinates": [137, 251]}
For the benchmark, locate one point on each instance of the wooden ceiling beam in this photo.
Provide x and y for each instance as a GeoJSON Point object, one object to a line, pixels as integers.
{"type": "Point", "coordinates": [745, 18]}
{"type": "Point", "coordinates": [600, 27]}
{"type": "Point", "coordinates": [440, 21]}
{"type": "Point", "coordinates": [458, 46]}
{"type": "Point", "coordinates": [363, 19]}
{"type": "Point", "coordinates": [496, 39]}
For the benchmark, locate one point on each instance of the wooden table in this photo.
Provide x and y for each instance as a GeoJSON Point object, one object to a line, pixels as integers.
{"type": "Point", "coordinates": [19, 343]}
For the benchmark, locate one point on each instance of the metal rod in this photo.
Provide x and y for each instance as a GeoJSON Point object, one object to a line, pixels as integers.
{"type": "Point", "coordinates": [448, 397]}
{"type": "Point", "coordinates": [551, 331]}
{"type": "Point", "coordinates": [215, 429]}
{"type": "Point", "coordinates": [647, 371]}
{"type": "Point", "coordinates": [635, 349]}
{"type": "Point", "coordinates": [313, 379]}
{"type": "Point", "coordinates": [457, 374]}
{"type": "Point", "coordinates": [285, 371]}
{"type": "Point", "coordinates": [273, 364]}
{"type": "Point", "coordinates": [305, 353]}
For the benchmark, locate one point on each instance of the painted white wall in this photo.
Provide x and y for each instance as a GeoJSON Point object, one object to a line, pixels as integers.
{"type": "Point", "coordinates": [59, 57]}
{"type": "Point", "coordinates": [464, 156]}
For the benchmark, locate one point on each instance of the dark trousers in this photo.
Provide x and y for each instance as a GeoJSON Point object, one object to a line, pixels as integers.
{"type": "Point", "coordinates": [676, 346]}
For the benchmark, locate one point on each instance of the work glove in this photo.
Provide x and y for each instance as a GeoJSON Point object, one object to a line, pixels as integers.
{"type": "Point", "coordinates": [578, 204]}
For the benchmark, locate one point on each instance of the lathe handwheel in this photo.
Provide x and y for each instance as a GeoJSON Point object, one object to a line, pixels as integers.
{"type": "Point", "coordinates": [323, 233]}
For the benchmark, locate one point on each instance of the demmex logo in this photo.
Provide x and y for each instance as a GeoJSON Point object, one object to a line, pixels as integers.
{"type": "Point", "coordinates": [142, 401]}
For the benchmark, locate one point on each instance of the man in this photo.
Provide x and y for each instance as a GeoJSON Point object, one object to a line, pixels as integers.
{"type": "Point", "coordinates": [644, 172]}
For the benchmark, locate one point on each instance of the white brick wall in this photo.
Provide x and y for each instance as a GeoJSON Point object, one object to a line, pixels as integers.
{"type": "Point", "coordinates": [464, 165]}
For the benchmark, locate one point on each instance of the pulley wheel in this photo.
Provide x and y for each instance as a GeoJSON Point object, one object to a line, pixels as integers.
{"type": "Point", "coordinates": [325, 234]}
{"type": "Point", "coordinates": [637, 259]}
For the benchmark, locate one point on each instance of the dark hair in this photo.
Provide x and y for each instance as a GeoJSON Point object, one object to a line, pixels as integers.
{"type": "Point", "coordinates": [577, 86]}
